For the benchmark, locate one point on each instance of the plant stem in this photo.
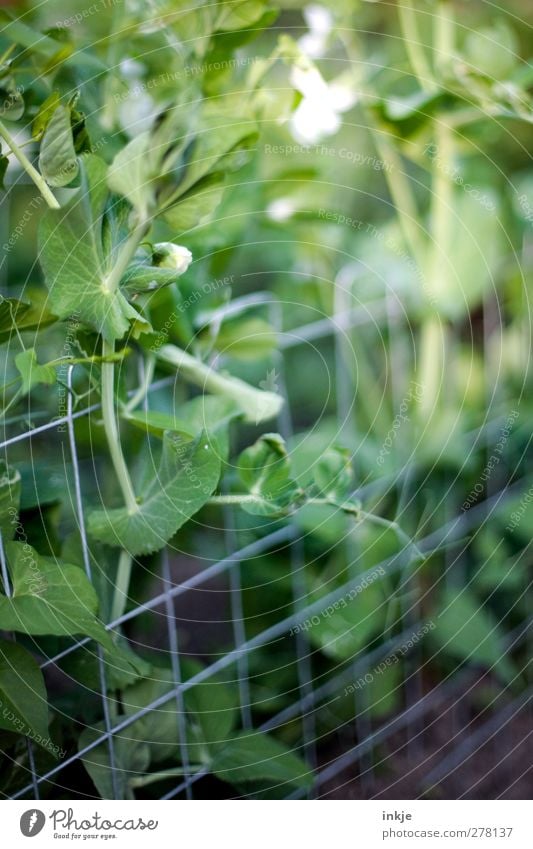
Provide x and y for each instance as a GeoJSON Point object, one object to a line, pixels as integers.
{"type": "Point", "coordinates": [402, 196]}
{"type": "Point", "coordinates": [152, 777]}
{"type": "Point", "coordinates": [28, 167]}
{"type": "Point", "coordinates": [110, 284]}
{"type": "Point", "coordinates": [122, 583]}
{"type": "Point", "coordinates": [413, 45]}
{"type": "Point", "coordinates": [126, 254]}
{"type": "Point", "coordinates": [237, 498]}
{"type": "Point", "coordinates": [433, 331]}
{"type": "Point", "coordinates": [111, 429]}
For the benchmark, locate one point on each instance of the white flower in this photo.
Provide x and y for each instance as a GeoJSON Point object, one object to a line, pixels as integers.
{"type": "Point", "coordinates": [320, 23]}
{"type": "Point", "coordinates": [176, 257]}
{"type": "Point", "coordinates": [281, 209]}
{"type": "Point", "coordinates": [317, 115]}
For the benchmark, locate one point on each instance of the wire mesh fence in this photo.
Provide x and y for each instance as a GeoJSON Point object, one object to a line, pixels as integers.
{"type": "Point", "coordinates": [317, 688]}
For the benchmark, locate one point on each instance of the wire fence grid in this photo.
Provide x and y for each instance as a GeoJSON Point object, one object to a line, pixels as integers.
{"type": "Point", "coordinates": [314, 691]}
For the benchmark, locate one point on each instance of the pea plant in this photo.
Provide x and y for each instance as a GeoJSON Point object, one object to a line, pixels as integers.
{"type": "Point", "coordinates": [131, 134]}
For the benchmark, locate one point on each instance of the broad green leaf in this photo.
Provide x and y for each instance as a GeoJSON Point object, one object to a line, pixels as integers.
{"type": "Point", "coordinates": [466, 629]}
{"type": "Point", "coordinates": [49, 597]}
{"type": "Point", "coordinates": [265, 473]}
{"type": "Point", "coordinates": [341, 632]}
{"type": "Point", "coordinates": [158, 728]}
{"type": "Point", "coordinates": [75, 265]}
{"type": "Point", "coordinates": [493, 52]}
{"type": "Point", "coordinates": [10, 486]}
{"type": "Point", "coordinates": [31, 372]}
{"type": "Point", "coordinates": [253, 757]}
{"type": "Point", "coordinates": [122, 667]}
{"type": "Point", "coordinates": [131, 761]}
{"type": "Point", "coordinates": [213, 709]}
{"type": "Point", "coordinates": [22, 316]}
{"type": "Point", "coordinates": [333, 474]}
{"type": "Point", "coordinates": [236, 16]}
{"type": "Point", "coordinates": [23, 700]}
{"type": "Point", "coordinates": [197, 205]}
{"type": "Point", "coordinates": [187, 475]}
{"type": "Point", "coordinates": [226, 130]}
{"type": "Point", "coordinates": [15, 30]}
{"type": "Point", "coordinates": [11, 100]}
{"type": "Point", "coordinates": [57, 158]}
{"type": "Point", "coordinates": [133, 172]}
{"type": "Point", "coordinates": [207, 412]}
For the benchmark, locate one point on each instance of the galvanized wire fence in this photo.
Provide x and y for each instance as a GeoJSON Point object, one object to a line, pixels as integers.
{"type": "Point", "coordinates": [315, 690]}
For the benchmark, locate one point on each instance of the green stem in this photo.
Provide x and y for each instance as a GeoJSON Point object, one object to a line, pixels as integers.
{"type": "Point", "coordinates": [111, 429]}
{"type": "Point", "coordinates": [257, 405]}
{"type": "Point", "coordinates": [122, 583]}
{"type": "Point", "coordinates": [433, 340]}
{"type": "Point", "coordinates": [151, 778]}
{"type": "Point", "coordinates": [28, 167]}
{"type": "Point", "coordinates": [110, 284]}
{"type": "Point", "coordinates": [413, 45]}
{"type": "Point", "coordinates": [127, 252]}
{"type": "Point", "coordinates": [402, 196]}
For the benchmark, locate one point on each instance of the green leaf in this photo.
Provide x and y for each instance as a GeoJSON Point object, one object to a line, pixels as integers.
{"type": "Point", "coordinates": [333, 474]}
{"type": "Point", "coordinates": [226, 131]}
{"type": "Point", "coordinates": [133, 172]}
{"type": "Point", "coordinates": [466, 629]}
{"type": "Point", "coordinates": [23, 700]}
{"type": "Point", "coordinates": [4, 164]}
{"type": "Point", "coordinates": [207, 412]}
{"type": "Point", "coordinates": [213, 708]}
{"type": "Point", "coordinates": [197, 205]}
{"type": "Point", "coordinates": [44, 115]}
{"type": "Point", "coordinates": [11, 100]}
{"type": "Point", "coordinates": [187, 475]}
{"type": "Point", "coordinates": [265, 472]}
{"type": "Point", "coordinates": [253, 757]}
{"type": "Point", "coordinates": [18, 315]}
{"type": "Point", "coordinates": [10, 487]}
{"type": "Point", "coordinates": [143, 276]}
{"type": "Point", "coordinates": [158, 728]}
{"type": "Point", "coordinates": [493, 52]}
{"type": "Point", "coordinates": [57, 158]}
{"type": "Point", "coordinates": [74, 263]}
{"type": "Point", "coordinates": [31, 372]}
{"type": "Point", "coordinates": [131, 757]}
{"type": "Point", "coordinates": [49, 597]}
{"type": "Point", "coordinates": [19, 32]}
{"type": "Point", "coordinates": [343, 631]}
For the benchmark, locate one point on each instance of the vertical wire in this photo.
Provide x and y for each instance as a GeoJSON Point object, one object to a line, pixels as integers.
{"type": "Point", "coordinates": [237, 619]}
{"type": "Point", "coordinates": [88, 571]}
{"type": "Point", "coordinates": [173, 642]}
{"type": "Point", "coordinates": [173, 645]}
